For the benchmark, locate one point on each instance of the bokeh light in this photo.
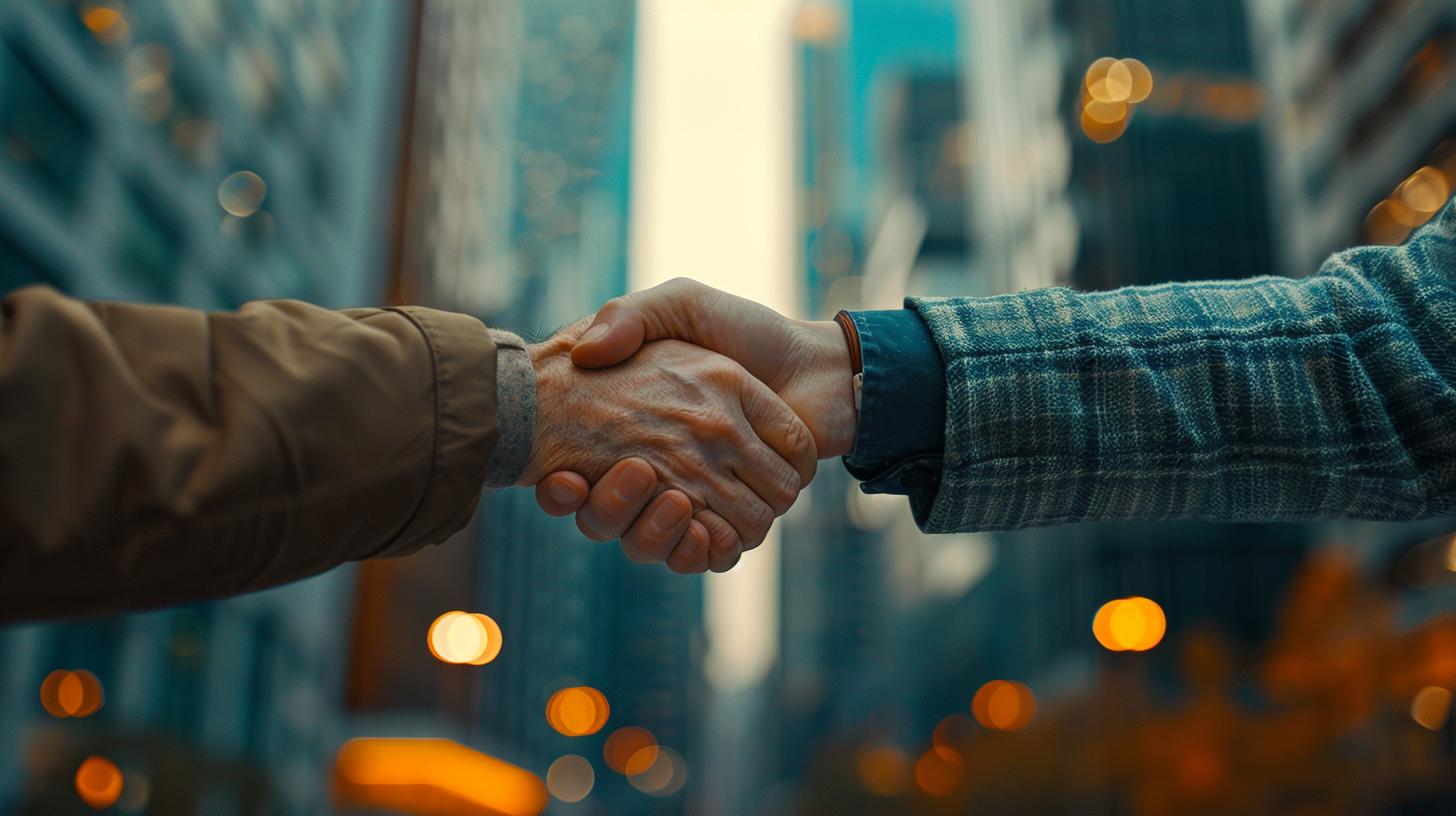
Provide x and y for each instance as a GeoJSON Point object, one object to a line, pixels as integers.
{"type": "Point", "coordinates": [1133, 624]}
{"type": "Point", "coordinates": [1142, 79]}
{"type": "Point", "coordinates": [1431, 706]}
{"type": "Point", "coordinates": [570, 778]}
{"type": "Point", "coordinates": [433, 776]}
{"type": "Point", "coordinates": [464, 638]}
{"type": "Point", "coordinates": [106, 21]}
{"type": "Point", "coordinates": [578, 711]}
{"type": "Point", "coordinates": [939, 773]}
{"type": "Point", "coordinates": [1004, 705]}
{"type": "Point", "coordinates": [1110, 89]}
{"type": "Point", "coordinates": [630, 750]}
{"type": "Point", "coordinates": [882, 769]}
{"type": "Point", "coordinates": [242, 193]}
{"type": "Point", "coordinates": [1106, 113]}
{"type": "Point", "coordinates": [98, 782]}
{"type": "Point", "coordinates": [1108, 80]}
{"type": "Point", "coordinates": [1102, 132]}
{"type": "Point", "coordinates": [66, 693]}
{"type": "Point", "coordinates": [665, 775]}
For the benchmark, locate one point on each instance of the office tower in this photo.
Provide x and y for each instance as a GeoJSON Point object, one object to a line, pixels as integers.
{"type": "Point", "coordinates": [1360, 98]}
{"type": "Point", "coordinates": [204, 154]}
{"type": "Point", "coordinates": [518, 189]}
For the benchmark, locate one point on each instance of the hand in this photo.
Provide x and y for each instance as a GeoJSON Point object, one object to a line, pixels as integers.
{"type": "Point", "coordinates": [806, 363]}
{"type": "Point", "coordinates": [726, 445]}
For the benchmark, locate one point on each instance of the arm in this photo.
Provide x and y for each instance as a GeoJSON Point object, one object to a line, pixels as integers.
{"type": "Point", "coordinates": [151, 454]}
{"type": "Point", "coordinates": [1262, 400]}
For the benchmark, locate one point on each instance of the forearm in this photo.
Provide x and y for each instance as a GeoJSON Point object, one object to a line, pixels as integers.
{"type": "Point", "coordinates": [1265, 399]}
{"type": "Point", "coordinates": [150, 455]}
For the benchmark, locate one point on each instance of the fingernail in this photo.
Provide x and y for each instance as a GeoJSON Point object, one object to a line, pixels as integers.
{"type": "Point", "coordinates": [595, 333]}
{"type": "Point", "coordinates": [691, 546]}
{"type": "Point", "coordinates": [632, 484]}
{"type": "Point", "coordinates": [668, 516]}
{"type": "Point", "coordinates": [561, 493]}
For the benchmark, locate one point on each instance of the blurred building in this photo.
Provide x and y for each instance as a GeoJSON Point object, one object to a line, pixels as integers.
{"type": "Point", "coordinates": [1360, 99]}
{"type": "Point", "coordinates": [517, 186]}
{"type": "Point", "coordinates": [889, 634]}
{"type": "Point", "coordinates": [205, 154]}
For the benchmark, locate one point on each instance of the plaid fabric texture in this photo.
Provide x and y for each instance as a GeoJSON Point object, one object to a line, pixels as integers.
{"type": "Point", "coordinates": [1251, 400]}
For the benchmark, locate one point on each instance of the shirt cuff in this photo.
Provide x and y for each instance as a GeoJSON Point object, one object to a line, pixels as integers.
{"type": "Point", "coordinates": [515, 388]}
{"type": "Point", "coordinates": [901, 434]}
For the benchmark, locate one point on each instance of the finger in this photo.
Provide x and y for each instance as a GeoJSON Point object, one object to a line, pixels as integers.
{"type": "Point", "coordinates": [656, 532]}
{"type": "Point", "coordinates": [690, 556]}
{"type": "Point", "coordinates": [724, 547]}
{"type": "Point", "coordinates": [684, 309]}
{"type": "Point", "coordinates": [780, 428]}
{"type": "Point", "coordinates": [671, 310]}
{"type": "Point", "coordinates": [616, 333]}
{"type": "Point", "coordinates": [562, 493]}
{"type": "Point", "coordinates": [617, 500]}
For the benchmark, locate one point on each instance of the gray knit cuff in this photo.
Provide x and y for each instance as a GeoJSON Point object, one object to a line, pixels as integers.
{"type": "Point", "coordinates": [515, 411]}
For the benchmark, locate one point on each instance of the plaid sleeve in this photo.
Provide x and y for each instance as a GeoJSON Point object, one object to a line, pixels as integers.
{"type": "Point", "coordinates": [1252, 400]}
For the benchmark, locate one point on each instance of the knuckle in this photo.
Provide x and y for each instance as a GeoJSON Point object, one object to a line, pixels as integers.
{"type": "Point", "coordinates": [680, 285]}
{"type": "Point", "coordinates": [716, 425]}
{"type": "Point", "coordinates": [797, 437]}
{"type": "Point", "coordinates": [760, 517]}
{"type": "Point", "coordinates": [787, 493]}
{"type": "Point", "coordinates": [724, 540]}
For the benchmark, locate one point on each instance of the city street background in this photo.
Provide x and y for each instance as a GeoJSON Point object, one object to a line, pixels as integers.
{"type": "Point", "coordinates": [525, 160]}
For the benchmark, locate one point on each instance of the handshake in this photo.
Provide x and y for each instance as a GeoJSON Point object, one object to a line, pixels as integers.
{"type": "Point", "coordinates": [684, 420]}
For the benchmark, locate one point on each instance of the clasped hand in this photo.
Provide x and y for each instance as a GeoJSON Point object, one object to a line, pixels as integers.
{"type": "Point", "coordinates": [684, 420]}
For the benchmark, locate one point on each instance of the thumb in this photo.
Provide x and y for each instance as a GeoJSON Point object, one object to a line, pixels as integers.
{"type": "Point", "coordinates": [616, 333]}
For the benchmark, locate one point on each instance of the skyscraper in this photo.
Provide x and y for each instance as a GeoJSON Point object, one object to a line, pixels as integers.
{"type": "Point", "coordinates": [518, 189]}
{"type": "Point", "coordinates": [1360, 100]}
{"type": "Point", "coordinates": [203, 154]}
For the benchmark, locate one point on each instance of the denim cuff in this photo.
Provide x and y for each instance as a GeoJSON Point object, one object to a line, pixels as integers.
{"type": "Point", "coordinates": [902, 405]}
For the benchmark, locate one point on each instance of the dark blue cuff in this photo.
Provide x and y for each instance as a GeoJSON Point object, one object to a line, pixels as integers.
{"type": "Point", "coordinates": [902, 406]}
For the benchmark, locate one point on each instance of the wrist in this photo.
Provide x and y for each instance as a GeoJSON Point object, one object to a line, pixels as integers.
{"type": "Point", "coordinates": [829, 379]}
{"type": "Point", "coordinates": [551, 361]}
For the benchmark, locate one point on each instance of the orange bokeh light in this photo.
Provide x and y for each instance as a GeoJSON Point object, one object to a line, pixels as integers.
{"type": "Point", "coordinates": [939, 773]}
{"type": "Point", "coordinates": [464, 638]}
{"type": "Point", "coordinates": [66, 693]}
{"type": "Point", "coordinates": [630, 750]}
{"type": "Point", "coordinates": [1133, 624]}
{"type": "Point", "coordinates": [1004, 705]}
{"type": "Point", "coordinates": [1103, 132]}
{"type": "Point", "coordinates": [1142, 79]}
{"type": "Point", "coordinates": [578, 711]}
{"type": "Point", "coordinates": [434, 777]}
{"type": "Point", "coordinates": [98, 782]}
{"type": "Point", "coordinates": [105, 22]}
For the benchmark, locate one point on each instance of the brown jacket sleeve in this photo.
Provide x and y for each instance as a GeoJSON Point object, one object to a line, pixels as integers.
{"type": "Point", "coordinates": [153, 454]}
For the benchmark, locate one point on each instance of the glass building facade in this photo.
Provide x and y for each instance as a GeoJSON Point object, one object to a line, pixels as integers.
{"type": "Point", "coordinates": [203, 154]}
